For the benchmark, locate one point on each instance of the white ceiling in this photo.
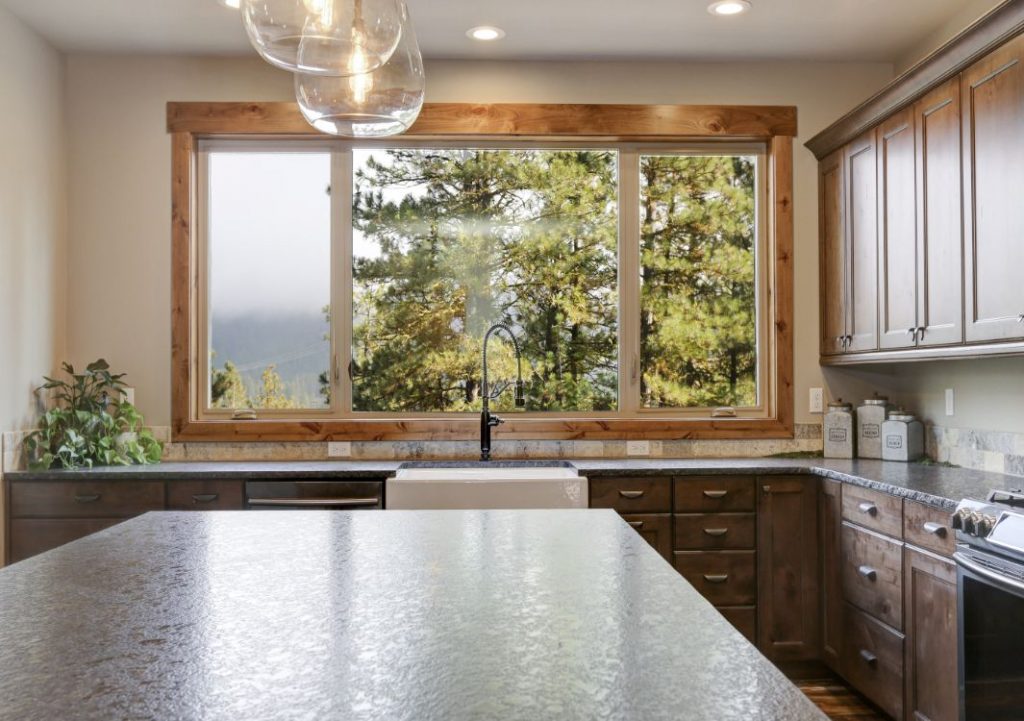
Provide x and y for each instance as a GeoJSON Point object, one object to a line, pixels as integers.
{"type": "Point", "coordinates": [878, 30]}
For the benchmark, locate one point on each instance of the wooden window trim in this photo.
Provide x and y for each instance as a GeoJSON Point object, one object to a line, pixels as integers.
{"type": "Point", "coordinates": [773, 125]}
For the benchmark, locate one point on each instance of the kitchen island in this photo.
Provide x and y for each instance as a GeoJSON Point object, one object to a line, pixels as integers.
{"type": "Point", "coordinates": [414, 615]}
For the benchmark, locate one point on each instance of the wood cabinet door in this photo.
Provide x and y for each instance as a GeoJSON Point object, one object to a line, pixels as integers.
{"type": "Point", "coordinates": [655, 528]}
{"type": "Point", "coordinates": [940, 247]}
{"type": "Point", "coordinates": [930, 663]}
{"type": "Point", "coordinates": [830, 522]}
{"type": "Point", "coordinates": [861, 168]}
{"type": "Point", "coordinates": [897, 232]}
{"type": "Point", "coordinates": [832, 221]}
{"type": "Point", "coordinates": [787, 573]}
{"type": "Point", "coordinates": [993, 154]}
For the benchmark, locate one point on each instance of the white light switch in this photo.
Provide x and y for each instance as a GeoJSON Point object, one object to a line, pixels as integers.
{"type": "Point", "coordinates": [949, 401]}
{"type": "Point", "coordinates": [638, 448]}
{"type": "Point", "coordinates": [817, 404]}
{"type": "Point", "coordinates": [339, 449]}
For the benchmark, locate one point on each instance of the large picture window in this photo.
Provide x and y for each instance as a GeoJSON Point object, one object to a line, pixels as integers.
{"type": "Point", "coordinates": [339, 283]}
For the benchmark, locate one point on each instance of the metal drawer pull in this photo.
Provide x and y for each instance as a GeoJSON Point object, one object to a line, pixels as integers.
{"type": "Point", "coordinates": [716, 494]}
{"type": "Point", "coordinates": [1020, 318]}
{"type": "Point", "coordinates": [88, 497]}
{"type": "Point", "coordinates": [314, 501]}
{"type": "Point", "coordinates": [716, 531]}
{"type": "Point", "coordinates": [716, 577]}
{"type": "Point", "coordinates": [205, 497]}
{"type": "Point", "coordinates": [936, 529]}
{"type": "Point", "coordinates": [869, 658]}
{"type": "Point", "coordinates": [867, 572]}
{"type": "Point", "coordinates": [869, 508]}
{"type": "Point", "coordinates": [631, 494]}
{"type": "Point", "coordinates": [636, 524]}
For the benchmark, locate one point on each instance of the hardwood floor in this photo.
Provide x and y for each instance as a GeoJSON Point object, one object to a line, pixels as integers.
{"type": "Point", "coordinates": [839, 701]}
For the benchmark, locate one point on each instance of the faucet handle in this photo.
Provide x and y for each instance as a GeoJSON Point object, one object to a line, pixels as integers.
{"type": "Point", "coordinates": [495, 421]}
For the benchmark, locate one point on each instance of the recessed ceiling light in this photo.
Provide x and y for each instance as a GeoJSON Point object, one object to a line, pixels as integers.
{"type": "Point", "coordinates": [485, 33]}
{"type": "Point", "coordinates": [233, 4]}
{"type": "Point", "coordinates": [729, 7]}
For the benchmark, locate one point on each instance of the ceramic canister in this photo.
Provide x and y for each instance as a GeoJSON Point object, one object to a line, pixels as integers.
{"type": "Point", "coordinates": [870, 417]}
{"type": "Point", "coordinates": [902, 437]}
{"type": "Point", "coordinates": [839, 430]}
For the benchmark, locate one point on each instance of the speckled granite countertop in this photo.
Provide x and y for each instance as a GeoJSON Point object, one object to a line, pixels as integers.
{"type": "Point", "coordinates": [937, 486]}
{"type": "Point", "coordinates": [407, 615]}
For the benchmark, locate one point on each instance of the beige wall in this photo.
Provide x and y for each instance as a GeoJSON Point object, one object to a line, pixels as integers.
{"type": "Point", "coordinates": [32, 212]}
{"type": "Point", "coordinates": [969, 11]}
{"type": "Point", "coordinates": [119, 303]}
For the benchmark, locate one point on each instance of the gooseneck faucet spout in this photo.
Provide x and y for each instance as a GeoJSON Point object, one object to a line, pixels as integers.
{"type": "Point", "coordinates": [487, 421]}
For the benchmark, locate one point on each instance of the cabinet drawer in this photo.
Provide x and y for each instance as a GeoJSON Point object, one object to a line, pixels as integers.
{"type": "Point", "coordinates": [700, 531]}
{"type": "Point", "coordinates": [205, 495]}
{"type": "Point", "coordinates": [30, 536]}
{"type": "Point", "coordinates": [725, 578]}
{"type": "Point", "coordinates": [85, 499]}
{"type": "Point", "coordinates": [873, 509]}
{"type": "Point", "coordinates": [873, 574]}
{"type": "Point", "coordinates": [631, 495]}
{"type": "Point", "coordinates": [927, 527]}
{"type": "Point", "coordinates": [744, 618]}
{"type": "Point", "coordinates": [873, 660]}
{"type": "Point", "coordinates": [656, 529]}
{"type": "Point", "coordinates": [696, 494]}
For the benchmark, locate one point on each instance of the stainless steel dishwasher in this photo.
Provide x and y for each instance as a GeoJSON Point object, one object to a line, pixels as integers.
{"type": "Point", "coordinates": [314, 494]}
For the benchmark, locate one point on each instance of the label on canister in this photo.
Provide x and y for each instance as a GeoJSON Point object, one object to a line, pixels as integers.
{"type": "Point", "coordinates": [871, 430]}
{"type": "Point", "coordinates": [894, 441]}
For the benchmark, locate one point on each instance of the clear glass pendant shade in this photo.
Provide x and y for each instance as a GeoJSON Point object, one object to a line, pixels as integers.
{"type": "Point", "coordinates": [383, 102]}
{"type": "Point", "coordinates": [324, 37]}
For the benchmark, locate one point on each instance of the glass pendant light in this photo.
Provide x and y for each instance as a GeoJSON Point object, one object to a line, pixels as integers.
{"type": "Point", "coordinates": [324, 37]}
{"type": "Point", "coordinates": [383, 102]}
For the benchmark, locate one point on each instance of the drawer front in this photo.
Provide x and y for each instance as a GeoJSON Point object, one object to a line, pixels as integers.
{"type": "Point", "coordinates": [873, 660]}
{"type": "Point", "coordinates": [714, 494]}
{"type": "Point", "coordinates": [927, 527]}
{"type": "Point", "coordinates": [333, 495]}
{"type": "Point", "coordinates": [656, 529]}
{"type": "Point", "coordinates": [631, 495]}
{"type": "Point", "coordinates": [205, 495]}
{"type": "Point", "coordinates": [873, 574]}
{"type": "Point", "coordinates": [744, 618]}
{"type": "Point", "coordinates": [30, 536]}
{"type": "Point", "coordinates": [85, 499]}
{"type": "Point", "coordinates": [873, 509]}
{"type": "Point", "coordinates": [710, 531]}
{"type": "Point", "coordinates": [725, 578]}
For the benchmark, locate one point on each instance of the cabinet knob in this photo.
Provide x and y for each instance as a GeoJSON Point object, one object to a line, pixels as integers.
{"type": "Point", "coordinates": [936, 529]}
{"type": "Point", "coordinates": [869, 508]}
{"type": "Point", "coordinates": [869, 658]}
{"type": "Point", "coordinates": [867, 572]}
{"type": "Point", "coordinates": [920, 333]}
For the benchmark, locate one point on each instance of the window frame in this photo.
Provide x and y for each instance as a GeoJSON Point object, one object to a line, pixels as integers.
{"type": "Point", "coordinates": [763, 131]}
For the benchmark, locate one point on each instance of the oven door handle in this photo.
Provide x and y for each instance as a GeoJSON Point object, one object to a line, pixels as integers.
{"type": "Point", "coordinates": [340, 502]}
{"type": "Point", "coordinates": [1007, 584]}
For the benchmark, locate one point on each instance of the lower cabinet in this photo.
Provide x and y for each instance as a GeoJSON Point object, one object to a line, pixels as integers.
{"type": "Point", "coordinates": [930, 652]}
{"type": "Point", "coordinates": [872, 659]}
{"type": "Point", "coordinates": [830, 523]}
{"type": "Point", "coordinates": [655, 528]}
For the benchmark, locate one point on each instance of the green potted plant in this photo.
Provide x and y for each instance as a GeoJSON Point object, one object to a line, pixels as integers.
{"type": "Point", "coordinates": [90, 424]}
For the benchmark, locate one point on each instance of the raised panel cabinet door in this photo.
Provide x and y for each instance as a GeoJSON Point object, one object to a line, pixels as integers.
{"type": "Point", "coordinates": [832, 220]}
{"type": "Point", "coordinates": [940, 247]}
{"type": "Point", "coordinates": [897, 233]}
{"type": "Point", "coordinates": [993, 154]}
{"type": "Point", "coordinates": [655, 528]}
{"type": "Point", "coordinates": [830, 520]}
{"type": "Point", "coordinates": [930, 650]}
{"type": "Point", "coordinates": [862, 243]}
{"type": "Point", "coordinates": [787, 573]}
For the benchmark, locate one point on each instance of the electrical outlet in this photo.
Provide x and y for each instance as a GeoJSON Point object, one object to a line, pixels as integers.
{"type": "Point", "coordinates": [638, 448]}
{"type": "Point", "coordinates": [339, 449]}
{"type": "Point", "coordinates": [949, 401]}
{"type": "Point", "coordinates": [817, 404]}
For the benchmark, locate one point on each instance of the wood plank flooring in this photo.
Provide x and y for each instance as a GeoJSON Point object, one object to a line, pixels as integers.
{"type": "Point", "coordinates": [839, 701]}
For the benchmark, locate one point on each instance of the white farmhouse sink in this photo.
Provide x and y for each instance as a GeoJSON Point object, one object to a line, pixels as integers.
{"type": "Point", "coordinates": [486, 487]}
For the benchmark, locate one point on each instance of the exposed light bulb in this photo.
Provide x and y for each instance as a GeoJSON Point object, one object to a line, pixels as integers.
{"type": "Point", "coordinates": [361, 79]}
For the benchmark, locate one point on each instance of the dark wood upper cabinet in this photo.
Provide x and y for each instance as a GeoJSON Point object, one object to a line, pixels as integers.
{"type": "Point", "coordinates": [897, 232]}
{"type": "Point", "coordinates": [861, 166]}
{"type": "Point", "coordinates": [787, 557]}
{"type": "Point", "coordinates": [940, 282]}
{"type": "Point", "coordinates": [931, 690]}
{"type": "Point", "coordinates": [832, 221]}
{"type": "Point", "coordinates": [993, 175]}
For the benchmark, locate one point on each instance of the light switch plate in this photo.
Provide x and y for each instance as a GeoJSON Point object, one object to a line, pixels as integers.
{"type": "Point", "coordinates": [949, 401]}
{"type": "Point", "coordinates": [817, 404]}
{"type": "Point", "coordinates": [339, 449]}
{"type": "Point", "coordinates": [638, 448]}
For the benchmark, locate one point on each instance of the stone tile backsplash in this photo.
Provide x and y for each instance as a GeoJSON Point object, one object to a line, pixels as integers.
{"type": "Point", "coordinates": [996, 451]}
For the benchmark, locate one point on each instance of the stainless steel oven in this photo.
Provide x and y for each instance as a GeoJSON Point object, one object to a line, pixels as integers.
{"type": "Point", "coordinates": [990, 584]}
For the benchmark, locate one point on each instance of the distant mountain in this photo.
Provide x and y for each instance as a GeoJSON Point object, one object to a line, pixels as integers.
{"type": "Point", "coordinates": [294, 343]}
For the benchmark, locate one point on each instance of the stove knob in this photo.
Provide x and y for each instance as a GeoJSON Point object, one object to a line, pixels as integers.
{"type": "Point", "coordinates": [986, 524]}
{"type": "Point", "coordinates": [971, 524]}
{"type": "Point", "coordinates": [956, 521]}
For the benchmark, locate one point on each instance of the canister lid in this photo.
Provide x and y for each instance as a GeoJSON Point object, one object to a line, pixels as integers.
{"type": "Point", "coordinates": [839, 405]}
{"type": "Point", "coordinates": [876, 401]}
{"type": "Point", "coordinates": [902, 416]}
